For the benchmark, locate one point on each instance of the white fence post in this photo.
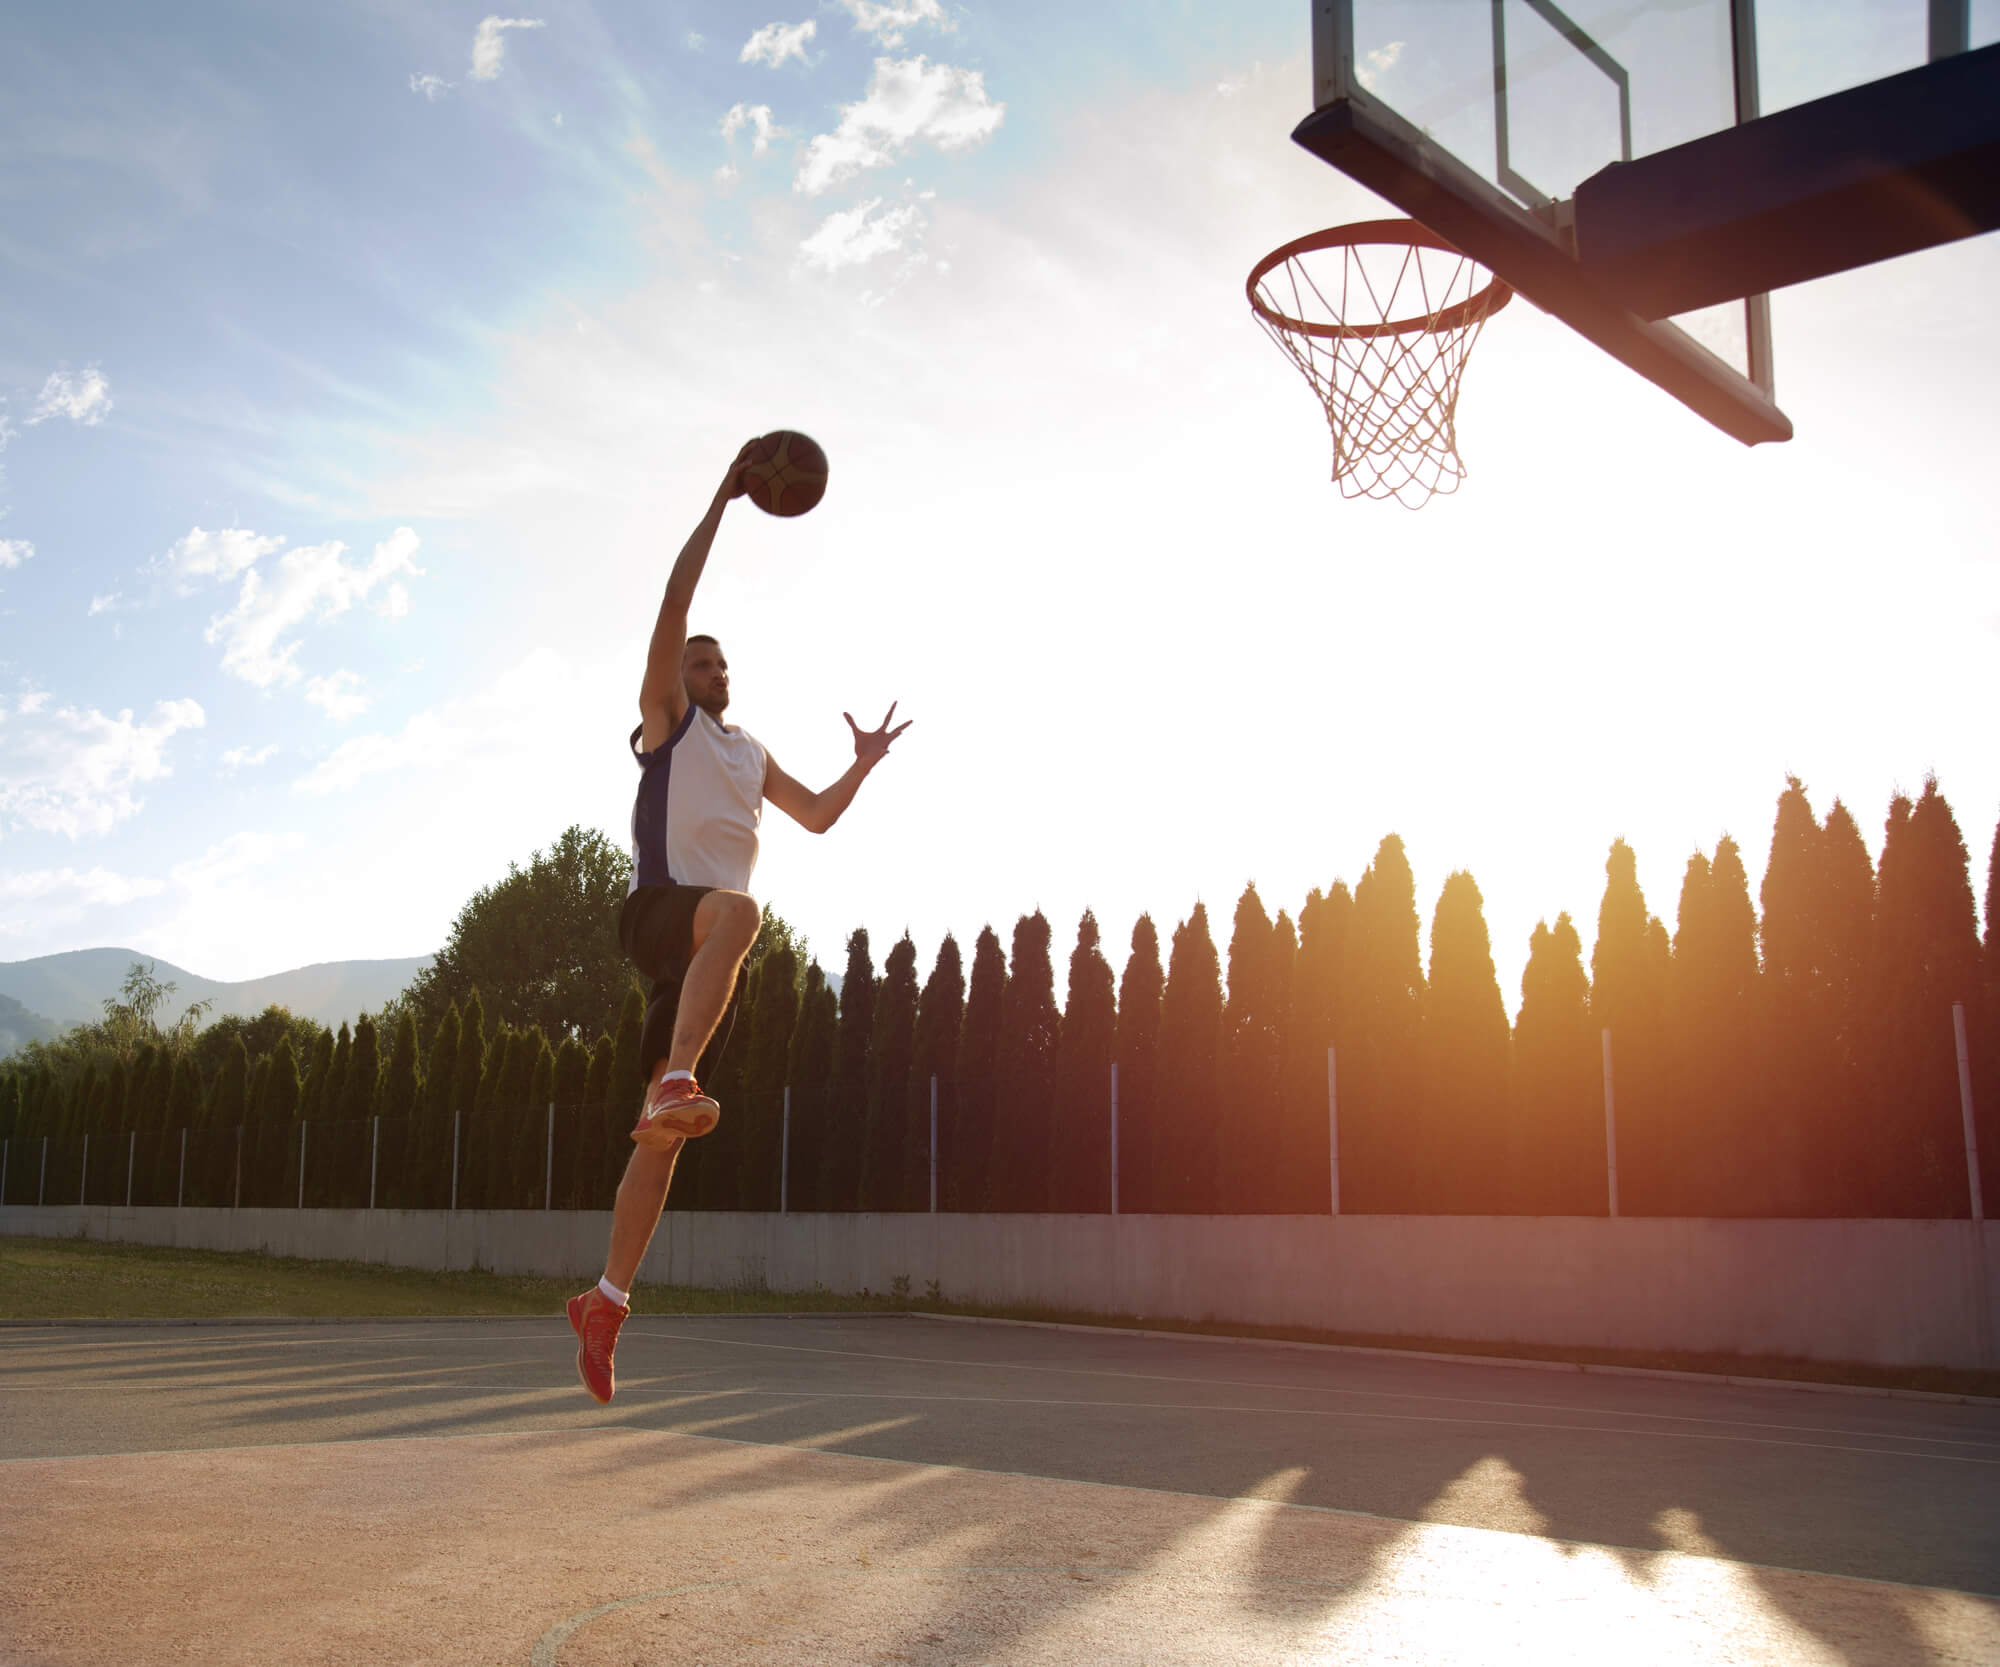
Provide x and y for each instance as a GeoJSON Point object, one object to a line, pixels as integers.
{"type": "Point", "coordinates": [934, 1143]}
{"type": "Point", "coordinates": [6, 1146]}
{"type": "Point", "coordinates": [1114, 1137]}
{"type": "Point", "coordinates": [1332, 1139]}
{"type": "Point", "coordinates": [454, 1158]}
{"type": "Point", "coordinates": [1610, 1126]}
{"type": "Point", "coordinates": [549, 1163]}
{"type": "Point", "coordinates": [42, 1180]}
{"type": "Point", "coordinates": [181, 1187]}
{"type": "Point", "coordinates": [1965, 1109]}
{"type": "Point", "coordinates": [131, 1158]}
{"type": "Point", "coordinates": [83, 1178]}
{"type": "Point", "coordinates": [236, 1198]}
{"type": "Point", "coordinates": [785, 1151]}
{"type": "Point", "coordinates": [374, 1150]}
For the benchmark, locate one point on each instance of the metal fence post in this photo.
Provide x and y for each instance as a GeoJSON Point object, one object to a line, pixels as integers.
{"type": "Point", "coordinates": [180, 1190]}
{"type": "Point", "coordinates": [934, 1143]}
{"type": "Point", "coordinates": [131, 1159]}
{"type": "Point", "coordinates": [42, 1181]}
{"type": "Point", "coordinates": [374, 1151]}
{"type": "Point", "coordinates": [1114, 1137]}
{"type": "Point", "coordinates": [236, 1195]}
{"type": "Point", "coordinates": [1965, 1109]}
{"type": "Point", "coordinates": [454, 1158]}
{"type": "Point", "coordinates": [549, 1164]}
{"type": "Point", "coordinates": [302, 1163]}
{"type": "Point", "coordinates": [83, 1175]}
{"type": "Point", "coordinates": [1610, 1126]}
{"type": "Point", "coordinates": [785, 1151]}
{"type": "Point", "coordinates": [5, 1146]}
{"type": "Point", "coordinates": [1332, 1138]}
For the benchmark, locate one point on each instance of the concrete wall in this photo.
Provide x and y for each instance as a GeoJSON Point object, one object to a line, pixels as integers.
{"type": "Point", "coordinates": [1878, 1292]}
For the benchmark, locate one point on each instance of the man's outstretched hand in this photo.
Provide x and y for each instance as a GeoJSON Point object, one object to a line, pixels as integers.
{"type": "Point", "coordinates": [871, 744]}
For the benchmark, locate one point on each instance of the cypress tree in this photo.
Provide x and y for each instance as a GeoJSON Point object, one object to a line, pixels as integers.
{"type": "Point", "coordinates": [625, 1092]}
{"type": "Point", "coordinates": [1467, 1048]}
{"type": "Point", "coordinates": [10, 1131]}
{"type": "Point", "coordinates": [966, 1171]}
{"type": "Point", "coordinates": [1141, 1141]}
{"type": "Point", "coordinates": [705, 1171]}
{"type": "Point", "coordinates": [1796, 1076]}
{"type": "Point", "coordinates": [1297, 1158]}
{"type": "Point", "coordinates": [430, 1156]}
{"type": "Point", "coordinates": [183, 1112]}
{"type": "Point", "coordinates": [1628, 982]}
{"type": "Point", "coordinates": [276, 1110]}
{"type": "Point", "coordinates": [467, 1080]}
{"type": "Point", "coordinates": [1247, 1167]}
{"type": "Point", "coordinates": [501, 1087]}
{"type": "Point", "coordinates": [810, 1072]}
{"type": "Point", "coordinates": [228, 1110]}
{"type": "Point", "coordinates": [1316, 984]}
{"type": "Point", "coordinates": [587, 1191]}
{"type": "Point", "coordinates": [1556, 1158]}
{"type": "Point", "coordinates": [331, 1106]}
{"type": "Point", "coordinates": [934, 1056]}
{"type": "Point", "coordinates": [572, 1070]}
{"type": "Point", "coordinates": [1190, 1069]}
{"type": "Point", "coordinates": [1382, 1003]}
{"type": "Point", "coordinates": [1024, 1071]}
{"type": "Point", "coordinates": [319, 1072]}
{"type": "Point", "coordinates": [753, 1181]}
{"type": "Point", "coordinates": [364, 1070]}
{"type": "Point", "coordinates": [840, 1154]}
{"type": "Point", "coordinates": [1080, 1165]}
{"type": "Point", "coordinates": [397, 1103]}
{"type": "Point", "coordinates": [532, 1182]}
{"type": "Point", "coordinates": [886, 1161]}
{"type": "Point", "coordinates": [1842, 1132]}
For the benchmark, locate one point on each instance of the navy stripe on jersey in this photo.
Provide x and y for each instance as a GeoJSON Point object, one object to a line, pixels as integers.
{"type": "Point", "coordinates": [649, 806]}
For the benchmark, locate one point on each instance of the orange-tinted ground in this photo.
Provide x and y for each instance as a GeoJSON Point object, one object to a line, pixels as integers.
{"type": "Point", "coordinates": [882, 1489]}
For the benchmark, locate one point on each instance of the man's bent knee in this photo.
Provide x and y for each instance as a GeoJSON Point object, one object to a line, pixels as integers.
{"type": "Point", "coordinates": [731, 918]}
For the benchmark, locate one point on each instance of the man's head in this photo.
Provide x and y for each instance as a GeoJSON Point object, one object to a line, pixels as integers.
{"type": "Point", "coordinates": [706, 675]}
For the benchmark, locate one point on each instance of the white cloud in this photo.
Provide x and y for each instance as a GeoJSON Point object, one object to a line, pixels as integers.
{"type": "Point", "coordinates": [908, 100]}
{"type": "Point", "coordinates": [489, 45]}
{"type": "Point", "coordinates": [512, 718]}
{"type": "Point", "coordinates": [76, 772]}
{"type": "Point", "coordinates": [727, 175]}
{"type": "Point", "coordinates": [1377, 63]}
{"type": "Point", "coordinates": [856, 236]}
{"type": "Point", "coordinates": [36, 700]}
{"type": "Point", "coordinates": [230, 859]}
{"type": "Point", "coordinates": [83, 399]}
{"type": "Point", "coordinates": [336, 696]}
{"type": "Point", "coordinates": [433, 87]}
{"type": "Point", "coordinates": [72, 890]}
{"type": "Point", "coordinates": [14, 551]}
{"type": "Point", "coordinates": [886, 22]}
{"type": "Point", "coordinates": [756, 117]}
{"type": "Point", "coordinates": [242, 758]}
{"type": "Point", "coordinates": [104, 604]}
{"type": "Point", "coordinates": [776, 42]}
{"type": "Point", "coordinates": [212, 555]}
{"type": "Point", "coordinates": [695, 41]}
{"type": "Point", "coordinates": [311, 580]}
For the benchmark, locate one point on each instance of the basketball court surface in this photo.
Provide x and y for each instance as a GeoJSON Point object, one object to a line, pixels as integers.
{"type": "Point", "coordinates": [891, 1489]}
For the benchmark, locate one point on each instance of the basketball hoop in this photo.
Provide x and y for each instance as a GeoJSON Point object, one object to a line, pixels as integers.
{"type": "Point", "coordinates": [1383, 339]}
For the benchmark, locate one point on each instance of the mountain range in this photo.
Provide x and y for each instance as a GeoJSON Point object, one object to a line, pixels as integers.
{"type": "Point", "coordinates": [43, 996]}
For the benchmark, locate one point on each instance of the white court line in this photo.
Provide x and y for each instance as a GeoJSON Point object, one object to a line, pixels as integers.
{"type": "Point", "coordinates": [638, 1329]}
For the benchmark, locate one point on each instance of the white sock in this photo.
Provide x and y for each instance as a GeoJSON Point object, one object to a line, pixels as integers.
{"type": "Point", "coordinates": [670, 1076]}
{"type": "Point", "coordinates": [614, 1293]}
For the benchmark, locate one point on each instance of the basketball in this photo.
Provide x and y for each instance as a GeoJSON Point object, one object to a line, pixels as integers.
{"type": "Point", "coordinates": [786, 474]}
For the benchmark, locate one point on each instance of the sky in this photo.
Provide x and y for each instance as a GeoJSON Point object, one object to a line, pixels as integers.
{"type": "Point", "coordinates": [366, 365]}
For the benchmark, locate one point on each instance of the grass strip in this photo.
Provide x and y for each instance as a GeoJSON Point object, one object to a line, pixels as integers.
{"type": "Point", "coordinates": [71, 1279]}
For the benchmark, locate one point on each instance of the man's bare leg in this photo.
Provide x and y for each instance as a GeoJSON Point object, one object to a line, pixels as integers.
{"type": "Point", "coordinates": [725, 926]}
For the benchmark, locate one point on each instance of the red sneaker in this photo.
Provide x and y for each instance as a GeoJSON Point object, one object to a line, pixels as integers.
{"type": "Point", "coordinates": [595, 1319]}
{"type": "Point", "coordinates": [675, 1111]}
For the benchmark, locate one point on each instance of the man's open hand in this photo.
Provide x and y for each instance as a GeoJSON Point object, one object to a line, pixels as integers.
{"type": "Point", "coordinates": [871, 744]}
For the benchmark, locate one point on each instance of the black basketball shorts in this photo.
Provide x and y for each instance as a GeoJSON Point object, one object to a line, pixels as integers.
{"type": "Point", "coordinates": [656, 932]}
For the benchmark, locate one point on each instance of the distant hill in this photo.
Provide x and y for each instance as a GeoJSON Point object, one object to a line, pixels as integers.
{"type": "Point", "coordinates": [19, 1026]}
{"type": "Point", "coordinates": [72, 988]}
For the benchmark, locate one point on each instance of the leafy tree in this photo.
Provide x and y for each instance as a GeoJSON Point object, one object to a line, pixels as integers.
{"type": "Point", "coordinates": [1467, 1050]}
{"type": "Point", "coordinates": [811, 1073]}
{"type": "Point", "coordinates": [1628, 989]}
{"type": "Point", "coordinates": [1381, 1071]}
{"type": "Point", "coordinates": [1141, 1137]}
{"type": "Point", "coordinates": [1190, 1069]}
{"type": "Point", "coordinates": [1080, 1153]}
{"type": "Point", "coordinates": [540, 943]}
{"type": "Point", "coordinates": [886, 1160]}
{"type": "Point", "coordinates": [934, 1058]}
{"type": "Point", "coordinates": [840, 1151]}
{"type": "Point", "coordinates": [587, 1189]}
{"type": "Point", "coordinates": [259, 1035]}
{"type": "Point", "coordinates": [966, 1152]}
{"type": "Point", "coordinates": [1556, 1157]}
{"type": "Point", "coordinates": [1251, 1063]}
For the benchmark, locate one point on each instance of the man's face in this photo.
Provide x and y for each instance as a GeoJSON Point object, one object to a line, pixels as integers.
{"type": "Point", "coordinates": [706, 674]}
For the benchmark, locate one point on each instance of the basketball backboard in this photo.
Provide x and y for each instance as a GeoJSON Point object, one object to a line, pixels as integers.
{"type": "Point", "coordinates": [1608, 160]}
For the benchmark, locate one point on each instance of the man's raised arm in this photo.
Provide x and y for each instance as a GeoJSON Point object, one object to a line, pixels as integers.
{"type": "Point", "coordinates": [663, 698]}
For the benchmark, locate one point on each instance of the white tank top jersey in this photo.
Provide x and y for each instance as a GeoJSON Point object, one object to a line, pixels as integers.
{"type": "Point", "coordinates": [700, 800]}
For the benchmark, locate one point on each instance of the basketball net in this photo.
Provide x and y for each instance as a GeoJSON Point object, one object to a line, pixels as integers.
{"type": "Point", "coordinates": [1380, 324]}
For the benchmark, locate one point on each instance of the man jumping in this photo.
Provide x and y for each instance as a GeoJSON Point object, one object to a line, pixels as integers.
{"type": "Point", "coordinates": [689, 919]}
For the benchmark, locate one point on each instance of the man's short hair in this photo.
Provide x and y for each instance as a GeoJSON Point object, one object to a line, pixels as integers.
{"type": "Point", "coordinates": [700, 638]}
